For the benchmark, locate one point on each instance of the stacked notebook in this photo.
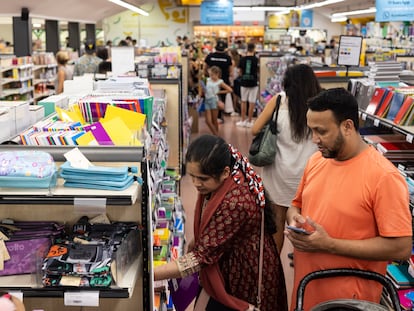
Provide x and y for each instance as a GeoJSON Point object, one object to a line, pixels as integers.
{"type": "Point", "coordinates": [388, 71]}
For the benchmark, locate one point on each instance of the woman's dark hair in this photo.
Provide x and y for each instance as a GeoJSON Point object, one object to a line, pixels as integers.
{"type": "Point", "coordinates": [300, 84]}
{"type": "Point", "coordinates": [102, 53]}
{"type": "Point", "coordinates": [213, 154]}
{"type": "Point", "coordinates": [342, 103]}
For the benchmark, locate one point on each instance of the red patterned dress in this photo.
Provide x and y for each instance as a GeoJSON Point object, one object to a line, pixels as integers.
{"type": "Point", "coordinates": [231, 239]}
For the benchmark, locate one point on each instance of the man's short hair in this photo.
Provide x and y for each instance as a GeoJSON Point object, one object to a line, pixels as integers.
{"type": "Point", "coordinates": [251, 47]}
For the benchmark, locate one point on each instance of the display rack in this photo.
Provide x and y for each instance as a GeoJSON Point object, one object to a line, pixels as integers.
{"type": "Point", "coordinates": [61, 204]}
{"type": "Point", "coordinates": [44, 81]}
{"type": "Point", "coordinates": [17, 83]}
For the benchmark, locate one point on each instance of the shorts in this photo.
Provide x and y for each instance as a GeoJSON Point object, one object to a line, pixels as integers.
{"type": "Point", "coordinates": [249, 94]}
{"type": "Point", "coordinates": [210, 103]}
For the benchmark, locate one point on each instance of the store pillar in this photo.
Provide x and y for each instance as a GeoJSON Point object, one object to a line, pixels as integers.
{"type": "Point", "coordinates": [74, 36]}
{"type": "Point", "coordinates": [52, 36]}
{"type": "Point", "coordinates": [90, 32]}
{"type": "Point", "coordinates": [22, 35]}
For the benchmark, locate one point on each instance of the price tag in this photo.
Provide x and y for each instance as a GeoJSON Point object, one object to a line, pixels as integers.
{"type": "Point", "coordinates": [409, 138]}
{"type": "Point", "coordinates": [376, 122]}
{"type": "Point", "coordinates": [83, 299]}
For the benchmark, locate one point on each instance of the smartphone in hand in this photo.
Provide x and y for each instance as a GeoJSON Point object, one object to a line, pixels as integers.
{"type": "Point", "coordinates": [298, 230]}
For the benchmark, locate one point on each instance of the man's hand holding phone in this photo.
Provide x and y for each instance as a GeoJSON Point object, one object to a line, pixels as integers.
{"type": "Point", "coordinates": [298, 230]}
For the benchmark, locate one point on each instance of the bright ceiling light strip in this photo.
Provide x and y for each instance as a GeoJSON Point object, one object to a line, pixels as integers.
{"type": "Point", "coordinates": [242, 8]}
{"type": "Point", "coordinates": [338, 19]}
{"type": "Point", "coordinates": [130, 7]}
{"type": "Point", "coordinates": [318, 4]}
{"type": "Point", "coordinates": [269, 8]}
{"type": "Point", "coordinates": [357, 12]}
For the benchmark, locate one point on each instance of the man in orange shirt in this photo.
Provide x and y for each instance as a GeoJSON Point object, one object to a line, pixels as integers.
{"type": "Point", "coordinates": [354, 202]}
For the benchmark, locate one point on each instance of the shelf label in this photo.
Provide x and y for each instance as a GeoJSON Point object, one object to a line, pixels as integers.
{"type": "Point", "coordinates": [409, 138]}
{"type": "Point", "coordinates": [363, 116]}
{"type": "Point", "coordinates": [376, 122]}
{"type": "Point", "coordinates": [84, 299]}
{"type": "Point", "coordinates": [87, 206]}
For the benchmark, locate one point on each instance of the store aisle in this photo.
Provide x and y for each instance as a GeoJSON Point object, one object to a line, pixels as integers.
{"type": "Point", "coordinates": [240, 138]}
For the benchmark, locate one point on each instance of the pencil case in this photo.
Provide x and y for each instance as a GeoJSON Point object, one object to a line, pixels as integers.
{"type": "Point", "coordinates": [27, 169]}
{"type": "Point", "coordinates": [99, 177]}
{"type": "Point", "coordinates": [96, 172]}
{"type": "Point", "coordinates": [28, 244]}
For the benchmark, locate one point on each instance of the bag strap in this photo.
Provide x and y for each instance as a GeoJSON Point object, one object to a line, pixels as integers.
{"type": "Point", "coordinates": [273, 121]}
{"type": "Point", "coordinates": [259, 286]}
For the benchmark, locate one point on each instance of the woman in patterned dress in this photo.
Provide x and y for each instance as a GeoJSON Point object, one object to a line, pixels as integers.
{"type": "Point", "coordinates": [227, 231]}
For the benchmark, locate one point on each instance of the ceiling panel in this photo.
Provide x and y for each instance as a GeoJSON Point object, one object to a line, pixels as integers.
{"type": "Point", "coordinates": [88, 11]}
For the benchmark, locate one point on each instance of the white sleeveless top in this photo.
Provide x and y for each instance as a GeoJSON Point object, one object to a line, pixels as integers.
{"type": "Point", "coordinates": [282, 178]}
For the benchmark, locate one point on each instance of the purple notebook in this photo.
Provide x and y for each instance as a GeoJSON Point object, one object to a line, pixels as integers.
{"type": "Point", "coordinates": [184, 291]}
{"type": "Point", "coordinates": [99, 133]}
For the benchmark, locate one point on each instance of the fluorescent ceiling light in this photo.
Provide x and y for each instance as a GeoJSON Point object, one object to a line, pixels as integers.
{"type": "Point", "coordinates": [268, 8]}
{"type": "Point", "coordinates": [339, 19]}
{"type": "Point", "coordinates": [260, 8]}
{"type": "Point", "coordinates": [130, 7]}
{"type": "Point", "coordinates": [357, 12]}
{"type": "Point", "coordinates": [318, 4]}
{"type": "Point", "coordinates": [242, 8]}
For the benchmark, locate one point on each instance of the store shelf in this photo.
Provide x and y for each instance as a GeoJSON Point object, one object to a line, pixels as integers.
{"type": "Point", "coordinates": [28, 285]}
{"type": "Point", "coordinates": [408, 131]}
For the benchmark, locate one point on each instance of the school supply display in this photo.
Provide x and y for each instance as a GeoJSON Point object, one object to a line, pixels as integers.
{"type": "Point", "coordinates": [99, 177]}
{"type": "Point", "coordinates": [263, 147]}
{"type": "Point", "coordinates": [25, 243]}
{"type": "Point", "coordinates": [87, 258]}
{"type": "Point", "coordinates": [27, 169]}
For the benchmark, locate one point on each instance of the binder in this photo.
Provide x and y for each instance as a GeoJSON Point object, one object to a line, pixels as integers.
{"type": "Point", "coordinates": [376, 99]}
{"type": "Point", "coordinates": [395, 105]}
{"type": "Point", "coordinates": [384, 105]}
{"type": "Point", "coordinates": [404, 111]}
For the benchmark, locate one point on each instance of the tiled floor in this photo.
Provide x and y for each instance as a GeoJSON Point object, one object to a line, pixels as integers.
{"type": "Point", "coordinates": [240, 138]}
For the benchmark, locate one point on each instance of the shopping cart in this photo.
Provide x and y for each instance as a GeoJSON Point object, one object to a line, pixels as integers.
{"type": "Point", "coordinates": [349, 304]}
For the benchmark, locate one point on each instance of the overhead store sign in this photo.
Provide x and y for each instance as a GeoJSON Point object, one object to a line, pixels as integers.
{"type": "Point", "coordinates": [216, 12]}
{"type": "Point", "coordinates": [306, 18]}
{"type": "Point", "coordinates": [394, 10]}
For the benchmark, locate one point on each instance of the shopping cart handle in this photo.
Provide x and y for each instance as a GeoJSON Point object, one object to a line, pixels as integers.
{"type": "Point", "coordinates": [370, 275]}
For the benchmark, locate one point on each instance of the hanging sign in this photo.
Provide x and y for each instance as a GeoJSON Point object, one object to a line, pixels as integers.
{"type": "Point", "coordinates": [394, 10]}
{"type": "Point", "coordinates": [215, 12]}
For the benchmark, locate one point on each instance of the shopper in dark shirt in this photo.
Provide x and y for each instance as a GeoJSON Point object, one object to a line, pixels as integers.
{"type": "Point", "coordinates": [249, 89]}
{"type": "Point", "coordinates": [221, 59]}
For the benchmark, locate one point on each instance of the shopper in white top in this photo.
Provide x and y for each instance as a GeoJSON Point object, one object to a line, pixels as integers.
{"type": "Point", "coordinates": [294, 144]}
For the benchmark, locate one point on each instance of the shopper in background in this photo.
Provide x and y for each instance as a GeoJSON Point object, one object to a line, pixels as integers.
{"type": "Point", "coordinates": [248, 67]}
{"type": "Point", "coordinates": [334, 51]}
{"type": "Point", "coordinates": [227, 229]}
{"type": "Point", "coordinates": [221, 59]}
{"type": "Point", "coordinates": [235, 81]}
{"type": "Point", "coordinates": [105, 65]}
{"type": "Point", "coordinates": [215, 87]}
{"type": "Point", "coordinates": [64, 71]}
{"type": "Point", "coordinates": [88, 62]}
{"type": "Point", "coordinates": [294, 144]}
{"type": "Point", "coordinates": [354, 202]}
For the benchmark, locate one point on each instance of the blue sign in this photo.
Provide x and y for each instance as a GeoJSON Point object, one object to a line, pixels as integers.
{"type": "Point", "coordinates": [394, 10]}
{"type": "Point", "coordinates": [306, 18]}
{"type": "Point", "coordinates": [216, 12]}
